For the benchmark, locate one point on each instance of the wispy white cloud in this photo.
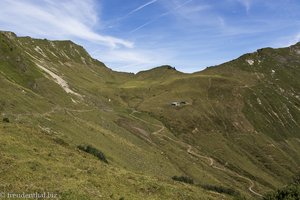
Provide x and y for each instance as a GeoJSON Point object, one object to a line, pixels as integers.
{"type": "Point", "coordinates": [296, 38]}
{"type": "Point", "coordinates": [189, 34]}
{"type": "Point", "coordinates": [160, 16]}
{"type": "Point", "coordinates": [59, 19]}
{"type": "Point", "coordinates": [142, 6]}
{"type": "Point", "coordinates": [133, 60]}
{"type": "Point", "coordinates": [194, 13]}
{"type": "Point", "coordinates": [145, 24]}
{"type": "Point", "coordinates": [114, 22]}
{"type": "Point", "coordinates": [246, 3]}
{"type": "Point", "coordinates": [287, 40]}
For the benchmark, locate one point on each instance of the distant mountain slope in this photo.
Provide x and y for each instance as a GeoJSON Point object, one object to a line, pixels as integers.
{"type": "Point", "coordinates": [234, 128]}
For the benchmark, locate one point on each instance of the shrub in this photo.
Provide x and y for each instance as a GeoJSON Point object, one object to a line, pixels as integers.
{"type": "Point", "coordinates": [221, 189]}
{"type": "Point", "coordinates": [6, 120]}
{"type": "Point", "coordinates": [296, 179]}
{"type": "Point", "coordinates": [289, 192]}
{"type": "Point", "coordinates": [93, 151]}
{"type": "Point", "coordinates": [184, 179]}
{"type": "Point", "coordinates": [60, 141]}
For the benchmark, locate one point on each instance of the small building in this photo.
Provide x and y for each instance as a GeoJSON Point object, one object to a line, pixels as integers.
{"type": "Point", "coordinates": [175, 103]}
{"type": "Point", "coordinates": [178, 103]}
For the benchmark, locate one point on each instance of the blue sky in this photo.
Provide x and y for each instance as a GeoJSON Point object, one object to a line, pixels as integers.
{"type": "Point", "coordinates": [134, 35]}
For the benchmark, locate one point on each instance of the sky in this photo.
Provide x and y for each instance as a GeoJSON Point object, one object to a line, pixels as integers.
{"type": "Point", "coordinates": [135, 35]}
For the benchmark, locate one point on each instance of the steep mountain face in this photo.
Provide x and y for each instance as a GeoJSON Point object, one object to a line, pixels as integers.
{"type": "Point", "coordinates": [234, 128]}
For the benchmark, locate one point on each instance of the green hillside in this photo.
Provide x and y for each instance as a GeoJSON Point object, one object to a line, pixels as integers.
{"type": "Point", "coordinates": [235, 129]}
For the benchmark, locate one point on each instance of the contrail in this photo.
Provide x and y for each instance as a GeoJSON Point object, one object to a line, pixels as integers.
{"type": "Point", "coordinates": [143, 25]}
{"type": "Point", "coordinates": [160, 16]}
{"type": "Point", "coordinates": [134, 11]}
{"type": "Point", "coordinates": [142, 6]}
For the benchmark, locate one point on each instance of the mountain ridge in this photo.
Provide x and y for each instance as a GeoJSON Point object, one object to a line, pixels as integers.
{"type": "Point", "coordinates": [243, 115]}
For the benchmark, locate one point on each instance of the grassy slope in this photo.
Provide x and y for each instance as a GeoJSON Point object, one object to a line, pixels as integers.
{"type": "Point", "coordinates": [245, 116]}
{"type": "Point", "coordinates": [32, 160]}
{"type": "Point", "coordinates": [46, 121]}
{"type": "Point", "coordinates": [222, 120]}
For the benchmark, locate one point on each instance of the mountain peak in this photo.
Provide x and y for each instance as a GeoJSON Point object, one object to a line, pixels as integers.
{"type": "Point", "coordinates": [9, 34]}
{"type": "Point", "coordinates": [165, 68]}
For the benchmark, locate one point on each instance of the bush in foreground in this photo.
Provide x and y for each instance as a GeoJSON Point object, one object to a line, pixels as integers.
{"type": "Point", "coordinates": [221, 189]}
{"type": "Point", "coordinates": [184, 179]}
{"type": "Point", "coordinates": [290, 192]}
{"type": "Point", "coordinates": [6, 120]}
{"type": "Point", "coordinates": [93, 151]}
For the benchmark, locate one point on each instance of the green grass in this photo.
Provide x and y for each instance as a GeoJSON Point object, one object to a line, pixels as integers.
{"type": "Point", "coordinates": [244, 117]}
{"type": "Point", "coordinates": [32, 161]}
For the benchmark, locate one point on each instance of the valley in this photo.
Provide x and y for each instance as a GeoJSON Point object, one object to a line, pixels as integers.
{"type": "Point", "coordinates": [236, 127]}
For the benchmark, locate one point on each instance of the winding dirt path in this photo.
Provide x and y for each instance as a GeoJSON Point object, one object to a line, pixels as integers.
{"type": "Point", "coordinates": [53, 110]}
{"type": "Point", "coordinates": [211, 161]}
{"type": "Point", "coordinates": [189, 150]}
